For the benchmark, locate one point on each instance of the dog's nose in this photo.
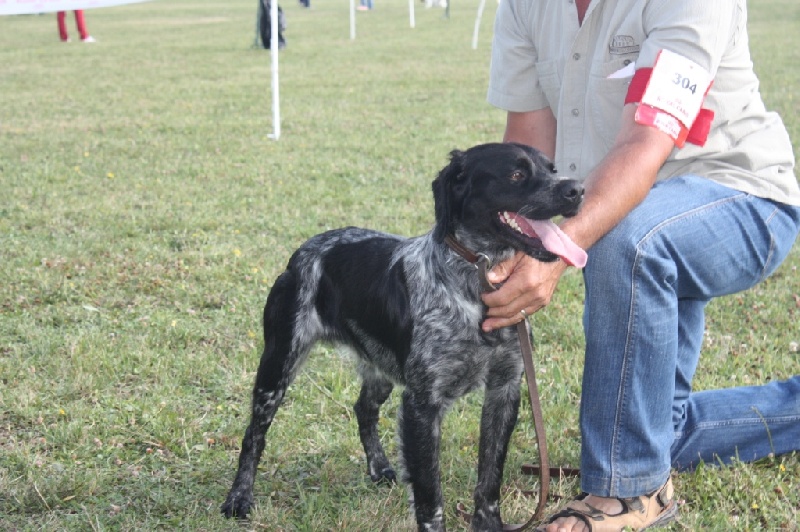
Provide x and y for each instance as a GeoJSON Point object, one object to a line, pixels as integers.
{"type": "Point", "coordinates": [571, 190]}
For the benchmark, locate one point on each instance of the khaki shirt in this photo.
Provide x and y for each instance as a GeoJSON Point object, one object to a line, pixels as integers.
{"type": "Point", "coordinates": [542, 58]}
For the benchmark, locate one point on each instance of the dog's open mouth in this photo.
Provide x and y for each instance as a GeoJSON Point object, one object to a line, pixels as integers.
{"type": "Point", "coordinates": [551, 237]}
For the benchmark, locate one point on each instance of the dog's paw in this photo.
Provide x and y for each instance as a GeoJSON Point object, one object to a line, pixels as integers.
{"type": "Point", "coordinates": [486, 522]}
{"type": "Point", "coordinates": [385, 475]}
{"type": "Point", "coordinates": [237, 506]}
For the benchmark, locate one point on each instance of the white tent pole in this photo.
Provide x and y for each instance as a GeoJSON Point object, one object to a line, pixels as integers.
{"type": "Point", "coordinates": [477, 25]}
{"type": "Point", "coordinates": [274, 45]}
{"type": "Point", "coordinates": [411, 13]}
{"type": "Point", "coordinates": [352, 19]}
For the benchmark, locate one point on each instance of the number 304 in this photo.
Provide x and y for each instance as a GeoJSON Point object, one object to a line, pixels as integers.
{"type": "Point", "coordinates": [684, 82]}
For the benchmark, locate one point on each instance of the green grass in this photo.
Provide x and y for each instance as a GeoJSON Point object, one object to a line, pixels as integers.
{"type": "Point", "coordinates": [145, 212]}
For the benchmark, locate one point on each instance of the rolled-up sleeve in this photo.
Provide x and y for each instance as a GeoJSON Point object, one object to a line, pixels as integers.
{"type": "Point", "coordinates": [700, 31]}
{"type": "Point", "coordinates": [513, 79]}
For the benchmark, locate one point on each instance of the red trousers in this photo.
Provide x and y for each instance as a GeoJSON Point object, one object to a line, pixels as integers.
{"type": "Point", "coordinates": [62, 24]}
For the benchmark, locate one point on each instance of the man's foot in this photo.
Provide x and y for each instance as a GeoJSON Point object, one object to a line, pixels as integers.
{"type": "Point", "coordinates": [89, 39]}
{"type": "Point", "coordinates": [590, 513]}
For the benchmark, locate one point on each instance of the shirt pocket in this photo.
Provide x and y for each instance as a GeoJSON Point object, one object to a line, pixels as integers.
{"type": "Point", "coordinates": [606, 98]}
{"type": "Point", "coordinates": [550, 82]}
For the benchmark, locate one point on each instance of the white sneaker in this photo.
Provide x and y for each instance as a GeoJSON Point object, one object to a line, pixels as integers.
{"type": "Point", "coordinates": [89, 39]}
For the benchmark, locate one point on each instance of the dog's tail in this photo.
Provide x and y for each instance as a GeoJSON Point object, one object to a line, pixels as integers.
{"type": "Point", "coordinates": [284, 351]}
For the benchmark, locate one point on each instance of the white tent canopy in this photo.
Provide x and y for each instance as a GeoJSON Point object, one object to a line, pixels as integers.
{"type": "Point", "coordinates": [30, 7]}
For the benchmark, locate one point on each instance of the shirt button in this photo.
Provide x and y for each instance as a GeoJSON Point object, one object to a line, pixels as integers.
{"type": "Point", "coordinates": [576, 56]}
{"type": "Point", "coordinates": [573, 167]}
{"type": "Point", "coordinates": [575, 112]}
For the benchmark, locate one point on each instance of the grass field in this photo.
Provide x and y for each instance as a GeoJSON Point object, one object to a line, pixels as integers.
{"type": "Point", "coordinates": [145, 212]}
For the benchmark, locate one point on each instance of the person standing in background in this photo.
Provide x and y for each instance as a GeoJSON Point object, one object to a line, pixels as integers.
{"type": "Point", "coordinates": [79, 21]}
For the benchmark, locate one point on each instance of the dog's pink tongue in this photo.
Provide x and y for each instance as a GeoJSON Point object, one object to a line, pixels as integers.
{"type": "Point", "coordinates": [557, 242]}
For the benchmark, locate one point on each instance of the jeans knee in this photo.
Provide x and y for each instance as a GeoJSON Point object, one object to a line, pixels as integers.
{"type": "Point", "coordinates": [614, 253]}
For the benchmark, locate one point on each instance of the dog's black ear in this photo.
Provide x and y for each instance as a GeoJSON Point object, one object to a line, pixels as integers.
{"type": "Point", "coordinates": [539, 158]}
{"type": "Point", "coordinates": [445, 189]}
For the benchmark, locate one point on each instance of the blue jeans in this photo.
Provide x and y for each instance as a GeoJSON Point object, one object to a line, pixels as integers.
{"type": "Point", "coordinates": [647, 284]}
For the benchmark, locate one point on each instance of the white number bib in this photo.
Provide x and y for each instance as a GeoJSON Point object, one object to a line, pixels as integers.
{"type": "Point", "coordinates": [677, 86]}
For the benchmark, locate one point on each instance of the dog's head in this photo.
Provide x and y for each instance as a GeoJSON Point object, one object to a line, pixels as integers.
{"type": "Point", "coordinates": [493, 197]}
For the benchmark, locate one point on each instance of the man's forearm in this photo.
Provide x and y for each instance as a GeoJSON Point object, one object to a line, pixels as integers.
{"type": "Point", "coordinates": [620, 182]}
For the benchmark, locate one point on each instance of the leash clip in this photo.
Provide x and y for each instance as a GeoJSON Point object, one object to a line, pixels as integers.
{"type": "Point", "coordinates": [482, 258]}
{"type": "Point", "coordinates": [483, 264]}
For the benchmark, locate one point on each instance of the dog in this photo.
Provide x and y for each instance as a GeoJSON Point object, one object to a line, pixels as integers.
{"type": "Point", "coordinates": [410, 309]}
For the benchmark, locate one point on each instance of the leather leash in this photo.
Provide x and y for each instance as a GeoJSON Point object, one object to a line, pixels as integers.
{"type": "Point", "coordinates": [481, 262]}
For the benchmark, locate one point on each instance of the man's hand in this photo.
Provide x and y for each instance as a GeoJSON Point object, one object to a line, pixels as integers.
{"type": "Point", "coordinates": [528, 285]}
{"type": "Point", "coordinates": [613, 188]}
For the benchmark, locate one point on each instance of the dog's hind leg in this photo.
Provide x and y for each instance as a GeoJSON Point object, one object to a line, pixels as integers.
{"type": "Point", "coordinates": [375, 389]}
{"type": "Point", "coordinates": [284, 353]}
{"type": "Point", "coordinates": [498, 419]}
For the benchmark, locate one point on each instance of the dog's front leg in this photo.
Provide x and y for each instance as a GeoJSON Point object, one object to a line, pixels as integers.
{"type": "Point", "coordinates": [498, 418]}
{"type": "Point", "coordinates": [420, 430]}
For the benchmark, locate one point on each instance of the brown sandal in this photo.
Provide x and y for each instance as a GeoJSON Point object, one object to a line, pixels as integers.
{"type": "Point", "coordinates": [639, 513]}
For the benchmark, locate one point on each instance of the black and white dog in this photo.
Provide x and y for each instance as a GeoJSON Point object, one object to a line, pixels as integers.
{"type": "Point", "coordinates": [410, 308]}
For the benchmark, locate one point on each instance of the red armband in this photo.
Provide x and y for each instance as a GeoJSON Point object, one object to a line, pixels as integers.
{"type": "Point", "coordinates": [670, 97]}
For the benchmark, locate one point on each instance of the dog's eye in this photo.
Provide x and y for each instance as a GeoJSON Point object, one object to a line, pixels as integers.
{"type": "Point", "coordinates": [517, 176]}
